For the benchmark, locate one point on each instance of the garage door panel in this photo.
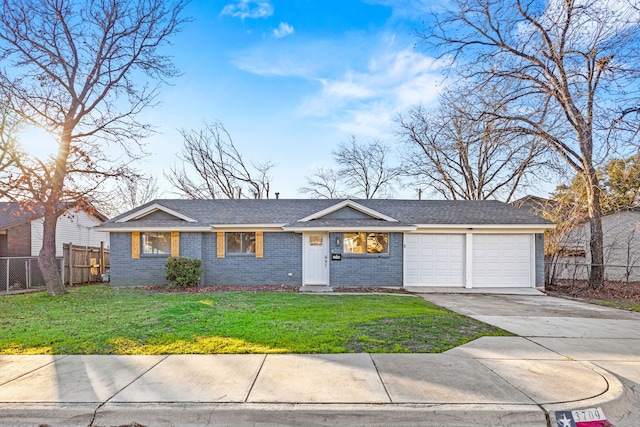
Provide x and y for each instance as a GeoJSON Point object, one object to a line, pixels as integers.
{"type": "Point", "coordinates": [434, 260]}
{"type": "Point", "coordinates": [501, 260]}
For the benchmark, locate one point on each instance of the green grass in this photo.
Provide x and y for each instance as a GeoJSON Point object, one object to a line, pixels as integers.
{"type": "Point", "coordinates": [623, 304]}
{"type": "Point", "coordinates": [104, 320]}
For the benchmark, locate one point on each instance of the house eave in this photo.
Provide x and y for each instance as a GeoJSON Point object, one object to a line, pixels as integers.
{"type": "Point", "coordinates": [351, 204]}
{"type": "Point", "coordinates": [246, 226]}
{"type": "Point", "coordinates": [152, 229]}
{"type": "Point", "coordinates": [350, 229]}
{"type": "Point", "coordinates": [153, 208]}
{"type": "Point", "coordinates": [487, 226]}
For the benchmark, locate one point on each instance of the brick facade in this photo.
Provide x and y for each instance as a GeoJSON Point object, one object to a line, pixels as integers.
{"type": "Point", "coordinates": [281, 264]}
{"type": "Point", "coordinates": [19, 240]}
{"type": "Point", "coordinates": [370, 269]}
{"type": "Point", "coordinates": [539, 255]}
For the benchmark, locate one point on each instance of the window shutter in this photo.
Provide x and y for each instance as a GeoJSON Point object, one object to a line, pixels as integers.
{"type": "Point", "coordinates": [135, 245]}
{"type": "Point", "coordinates": [259, 244]}
{"type": "Point", "coordinates": [220, 239]}
{"type": "Point", "coordinates": [175, 243]}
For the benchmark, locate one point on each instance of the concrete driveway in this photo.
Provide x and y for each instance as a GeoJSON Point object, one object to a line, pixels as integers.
{"type": "Point", "coordinates": [606, 337]}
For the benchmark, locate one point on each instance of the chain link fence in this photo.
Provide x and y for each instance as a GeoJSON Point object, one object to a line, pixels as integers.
{"type": "Point", "coordinates": [79, 264]}
{"type": "Point", "coordinates": [19, 274]}
{"type": "Point", "coordinates": [579, 271]}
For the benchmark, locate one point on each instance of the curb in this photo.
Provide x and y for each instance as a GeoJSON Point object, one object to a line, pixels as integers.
{"type": "Point", "coordinates": [291, 414]}
{"type": "Point", "coordinates": [618, 402]}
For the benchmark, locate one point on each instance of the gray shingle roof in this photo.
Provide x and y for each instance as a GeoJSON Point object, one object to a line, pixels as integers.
{"type": "Point", "coordinates": [14, 213]}
{"type": "Point", "coordinates": [11, 214]}
{"type": "Point", "coordinates": [290, 211]}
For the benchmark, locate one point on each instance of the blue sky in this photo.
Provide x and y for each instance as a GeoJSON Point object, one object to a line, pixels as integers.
{"type": "Point", "coordinates": [290, 79]}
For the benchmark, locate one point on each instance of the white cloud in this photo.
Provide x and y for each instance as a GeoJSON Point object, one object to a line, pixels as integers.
{"type": "Point", "coordinates": [361, 81]}
{"type": "Point", "coordinates": [249, 9]}
{"type": "Point", "coordinates": [365, 102]}
{"type": "Point", "coordinates": [283, 30]}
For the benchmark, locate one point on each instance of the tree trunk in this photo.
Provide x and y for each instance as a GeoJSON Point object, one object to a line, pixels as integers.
{"type": "Point", "coordinates": [47, 257]}
{"type": "Point", "coordinates": [596, 275]}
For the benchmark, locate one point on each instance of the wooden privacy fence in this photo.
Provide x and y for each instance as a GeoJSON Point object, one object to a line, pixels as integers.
{"type": "Point", "coordinates": [84, 264]}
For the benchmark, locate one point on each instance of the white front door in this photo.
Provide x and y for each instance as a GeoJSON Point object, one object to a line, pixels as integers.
{"type": "Point", "coordinates": [316, 259]}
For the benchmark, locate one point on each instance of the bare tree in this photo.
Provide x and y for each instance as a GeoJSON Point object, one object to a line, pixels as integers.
{"type": "Point", "coordinates": [565, 65]}
{"type": "Point", "coordinates": [365, 170]}
{"type": "Point", "coordinates": [631, 255]}
{"type": "Point", "coordinates": [82, 71]}
{"type": "Point", "coordinates": [323, 183]}
{"type": "Point", "coordinates": [9, 149]}
{"type": "Point", "coordinates": [462, 154]}
{"type": "Point", "coordinates": [131, 190]}
{"type": "Point", "coordinates": [565, 241]}
{"type": "Point", "coordinates": [220, 169]}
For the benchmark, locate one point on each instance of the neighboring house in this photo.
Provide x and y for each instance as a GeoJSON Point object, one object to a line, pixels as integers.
{"type": "Point", "coordinates": [21, 230]}
{"type": "Point", "coordinates": [621, 243]}
{"type": "Point", "coordinates": [469, 244]}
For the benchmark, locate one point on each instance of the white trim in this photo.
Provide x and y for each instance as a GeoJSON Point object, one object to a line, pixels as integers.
{"type": "Point", "coordinates": [260, 226]}
{"type": "Point", "coordinates": [490, 226]}
{"type": "Point", "coordinates": [402, 229]}
{"type": "Point", "coordinates": [153, 208]}
{"type": "Point", "coordinates": [151, 228]}
{"type": "Point", "coordinates": [350, 204]}
{"type": "Point", "coordinates": [468, 261]}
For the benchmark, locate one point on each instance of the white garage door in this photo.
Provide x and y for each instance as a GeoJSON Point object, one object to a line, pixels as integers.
{"type": "Point", "coordinates": [434, 260]}
{"type": "Point", "coordinates": [502, 260]}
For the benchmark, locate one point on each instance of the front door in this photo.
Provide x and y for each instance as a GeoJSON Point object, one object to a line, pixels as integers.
{"type": "Point", "coordinates": [316, 259]}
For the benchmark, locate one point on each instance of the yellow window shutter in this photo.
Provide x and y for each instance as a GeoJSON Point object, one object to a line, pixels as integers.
{"type": "Point", "coordinates": [135, 244]}
{"type": "Point", "coordinates": [259, 244]}
{"type": "Point", "coordinates": [175, 243]}
{"type": "Point", "coordinates": [220, 239]}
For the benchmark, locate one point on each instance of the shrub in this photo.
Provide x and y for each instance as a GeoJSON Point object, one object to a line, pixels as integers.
{"type": "Point", "coordinates": [183, 272]}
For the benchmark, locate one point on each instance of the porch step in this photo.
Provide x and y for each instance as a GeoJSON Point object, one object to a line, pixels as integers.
{"type": "Point", "coordinates": [316, 288]}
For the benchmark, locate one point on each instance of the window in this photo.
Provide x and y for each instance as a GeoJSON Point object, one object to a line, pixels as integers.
{"type": "Point", "coordinates": [315, 240]}
{"type": "Point", "coordinates": [366, 243]}
{"type": "Point", "coordinates": [156, 243]}
{"type": "Point", "coordinates": [241, 242]}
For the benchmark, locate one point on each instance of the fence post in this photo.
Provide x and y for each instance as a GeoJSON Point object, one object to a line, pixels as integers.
{"type": "Point", "coordinates": [62, 267]}
{"type": "Point", "coordinates": [27, 273]}
{"type": "Point", "coordinates": [102, 269]}
{"type": "Point", "coordinates": [70, 264]}
{"type": "Point", "coordinates": [7, 274]}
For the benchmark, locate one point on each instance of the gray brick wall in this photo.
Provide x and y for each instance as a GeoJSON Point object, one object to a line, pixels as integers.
{"type": "Point", "coordinates": [282, 256]}
{"type": "Point", "coordinates": [148, 269]}
{"type": "Point", "coordinates": [126, 271]}
{"type": "Point", "coordinates": [539, 259]}
{"type": "Point", "coordinates": [367, 270]}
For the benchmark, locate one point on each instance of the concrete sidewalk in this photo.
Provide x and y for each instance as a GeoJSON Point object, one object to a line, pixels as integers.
{"type": "Point", "coordinates": [569, 356]}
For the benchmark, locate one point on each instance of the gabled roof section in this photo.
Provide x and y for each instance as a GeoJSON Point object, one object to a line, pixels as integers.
{"type": "Point", "coordinates": [136, 215]}
{"type": "Point", "coordinates": [348, 204]}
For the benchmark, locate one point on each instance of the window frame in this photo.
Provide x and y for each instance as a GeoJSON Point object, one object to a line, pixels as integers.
{"type": "Point", "coordinates": [242, 240]}
{"type": "Point", "coordinates": [366, 246]}
{"type": "Point", "coordinates": [143, 247]}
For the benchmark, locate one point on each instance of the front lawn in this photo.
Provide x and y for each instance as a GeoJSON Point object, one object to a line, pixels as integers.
{"type": "Point", "coordinates": [103, 320]}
